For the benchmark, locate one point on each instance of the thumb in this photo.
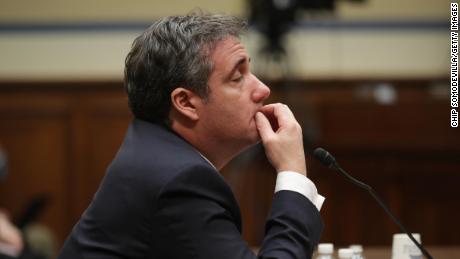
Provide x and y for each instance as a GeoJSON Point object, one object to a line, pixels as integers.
{"type": "Point", "coordinates": [263, 126]}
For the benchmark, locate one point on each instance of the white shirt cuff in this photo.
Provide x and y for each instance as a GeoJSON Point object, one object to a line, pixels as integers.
{"type": "Point", "coordinates": [292, 181]}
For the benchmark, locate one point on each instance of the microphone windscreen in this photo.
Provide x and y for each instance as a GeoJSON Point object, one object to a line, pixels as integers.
{"type": "Point", "coordinates": [324, 157]}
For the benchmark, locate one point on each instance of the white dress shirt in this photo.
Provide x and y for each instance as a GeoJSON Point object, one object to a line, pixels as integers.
{"type": "Point", "coordinates": [292, 181]}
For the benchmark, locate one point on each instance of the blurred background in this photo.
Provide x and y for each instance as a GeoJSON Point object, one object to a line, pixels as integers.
{"type": "Point", "coordinates": [367, 79]}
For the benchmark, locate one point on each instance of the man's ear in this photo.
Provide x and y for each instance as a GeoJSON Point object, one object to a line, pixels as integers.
{"type": "Point", "coordinates": [185, 102]}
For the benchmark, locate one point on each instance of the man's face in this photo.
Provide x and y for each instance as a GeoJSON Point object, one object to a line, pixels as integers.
{"type": "Point", "coordinates": [234, 98]}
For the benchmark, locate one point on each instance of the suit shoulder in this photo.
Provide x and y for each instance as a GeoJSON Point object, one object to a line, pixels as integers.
{"type": "Point", "coordinates": [151, 155]}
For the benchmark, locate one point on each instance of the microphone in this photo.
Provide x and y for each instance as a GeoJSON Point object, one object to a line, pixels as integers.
{"type": "Point", "coordinates": [328, 160]}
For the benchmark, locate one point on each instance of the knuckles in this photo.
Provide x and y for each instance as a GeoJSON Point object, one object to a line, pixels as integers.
{"type": "Point", "coordinates": [294, 127]}
{"type": "Point", "coordinates": [268, 141]}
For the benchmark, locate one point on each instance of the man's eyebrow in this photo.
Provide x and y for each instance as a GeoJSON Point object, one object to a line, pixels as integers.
{"type": "Point", "coordinates": [240, 62]}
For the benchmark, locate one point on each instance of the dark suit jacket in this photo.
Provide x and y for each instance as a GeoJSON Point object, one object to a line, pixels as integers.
{"type": "Point", "coordinates": [161, 199]}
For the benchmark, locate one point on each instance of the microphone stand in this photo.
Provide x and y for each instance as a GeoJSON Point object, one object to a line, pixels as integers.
{"type": "Point", "coordinates": [328, 160]}
{"type": "Point", "coordinates": [385, 208]}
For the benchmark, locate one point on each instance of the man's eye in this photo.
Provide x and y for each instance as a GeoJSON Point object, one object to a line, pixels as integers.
{"type": "Point", "coordinates": [239, 79]}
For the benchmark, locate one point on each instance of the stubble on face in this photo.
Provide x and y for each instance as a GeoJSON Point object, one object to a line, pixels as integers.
{"type": "Point", "coordinates": [229, 109]}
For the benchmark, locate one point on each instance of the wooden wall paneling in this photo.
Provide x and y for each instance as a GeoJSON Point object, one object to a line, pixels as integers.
{"type": "Point", "coordinates": [77, 128]}
{"type": "Point", "coordinates": [80, 165]}
{"type": "Point", "coordinates": [34, 134]}
{"type": "Point", "coordinates": [360, 132]}
{"type": "Point", "coordinates": [73, 131]}
{"type": "Point", "coordinates": [430, 195]}
{"type": "Point", "coordinates": [350, 212]}
{"type": "Point", "coordinates": [101, 120]}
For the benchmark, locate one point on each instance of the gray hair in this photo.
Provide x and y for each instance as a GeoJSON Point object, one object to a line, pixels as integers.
{"type": "Point", "coordinates": [174, 52]}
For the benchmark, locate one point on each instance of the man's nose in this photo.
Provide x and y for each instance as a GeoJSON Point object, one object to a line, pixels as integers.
{"type": "Point", "coordinates": [261, 91]}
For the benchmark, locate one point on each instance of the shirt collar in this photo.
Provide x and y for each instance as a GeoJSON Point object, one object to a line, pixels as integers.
{"type": "Point", "coordinates": [207, 160]}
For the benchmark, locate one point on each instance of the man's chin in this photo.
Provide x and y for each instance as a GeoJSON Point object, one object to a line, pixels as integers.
{"type": "Point", "coordinates": [254, 138]}
{"type": "Point", "coordinates": [250, 144]}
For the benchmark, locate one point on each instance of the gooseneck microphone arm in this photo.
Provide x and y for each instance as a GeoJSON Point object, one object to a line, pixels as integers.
{"type": "Point", "coordinates": [328, 160]}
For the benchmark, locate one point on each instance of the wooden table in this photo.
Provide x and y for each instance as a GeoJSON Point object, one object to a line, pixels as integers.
{"type": "Point", "coordinates": [384, 252]}
{"type": "Point", "coordinates": [438, 252]}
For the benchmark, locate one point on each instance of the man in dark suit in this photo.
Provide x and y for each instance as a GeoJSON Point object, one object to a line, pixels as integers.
{"type": "Point", "coordinates": [197, 105]}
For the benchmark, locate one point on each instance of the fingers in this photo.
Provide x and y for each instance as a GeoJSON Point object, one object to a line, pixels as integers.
{"type": "Point", "coordinates": [263, 126]}
{"type": "Point", "coordinates": [283, 144]}
{"type": "Point", "coordinates": [280, 112]}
